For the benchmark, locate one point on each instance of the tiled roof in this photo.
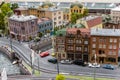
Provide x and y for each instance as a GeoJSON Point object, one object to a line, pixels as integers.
{"type": "Point", "coordinates": [43, 19]}
{"type": "Point", "coordinates": [83, 31]}
{"type": "Point", "coordinates": [94, 21]}
{"type": "Point", "coordinates": [105, 32]}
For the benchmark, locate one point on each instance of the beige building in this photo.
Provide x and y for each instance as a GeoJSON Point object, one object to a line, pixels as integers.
{"type": "Point", "coordinates": [115, 14]}
{"type": "Point", "coordinates": [56, 15]}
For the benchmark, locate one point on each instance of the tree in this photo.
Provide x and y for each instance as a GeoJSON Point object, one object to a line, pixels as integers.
{"type": "Point", "coordinates": [73, 17]}
{"type": "Point", "coordinates": [60, 77]}
{"type": "Point", "coordinates": [14, 6]}
{"type": "Point", "coordinates": [85, 13]}
{"type": "Point", "coordinates": [5, 8]}
{"type": "Point", "coordinates": [40, 34]}
{"type": "Point", "coordinates": [2, 21]}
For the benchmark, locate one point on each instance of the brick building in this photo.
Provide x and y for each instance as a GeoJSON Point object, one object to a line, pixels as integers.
{"type": "Point", "coordinates": [23, 27]}
{"type": "Point", "coordinates": [72, 43]}
{"type": "Point", "coordinates": [105, 43]}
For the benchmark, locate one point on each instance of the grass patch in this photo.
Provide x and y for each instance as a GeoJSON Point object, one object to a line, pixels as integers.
{"type": "Point", "coordinates": [85, 78]}
{"type": "Point", "coordinates": [36, 72]}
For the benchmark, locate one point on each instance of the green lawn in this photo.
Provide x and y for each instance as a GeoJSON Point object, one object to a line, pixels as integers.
{"type": "Point", "coordinates": [85, 78]}
{"type": "Point", "coordinates": [36, 72]}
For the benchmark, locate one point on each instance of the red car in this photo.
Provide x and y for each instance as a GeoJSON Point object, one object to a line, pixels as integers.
{"type": "Point", "coordinates": [44, 54]}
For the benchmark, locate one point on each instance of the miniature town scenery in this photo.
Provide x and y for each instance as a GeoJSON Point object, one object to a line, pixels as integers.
{"type": "Point", "coordinates": [60, 39]}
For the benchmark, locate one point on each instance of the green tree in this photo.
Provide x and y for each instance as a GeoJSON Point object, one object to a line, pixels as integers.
{"type": "Point", "coordinates": [85, 13]}
{"type": "Point", "coordinates": [60, 77]}
{"type": "Point", "coordinates": [40, 34]}
{"type": "Point", "coordinates": [5, 8]}
{"type": "Point", "coordinates": [2, 21]}
{"type": "Point", "coordinates": [14, 6]}
{"type": "Point", "coordinates": [73, 17]}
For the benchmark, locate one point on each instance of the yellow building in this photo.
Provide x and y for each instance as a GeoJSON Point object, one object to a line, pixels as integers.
{"type": "Point", "coordinates": [91, 22]}
{"type": "Point", "coordinates": [74, 8]}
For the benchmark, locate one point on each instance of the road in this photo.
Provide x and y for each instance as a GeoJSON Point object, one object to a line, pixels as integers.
{"type": "Point", "coordinates": [25, 52]}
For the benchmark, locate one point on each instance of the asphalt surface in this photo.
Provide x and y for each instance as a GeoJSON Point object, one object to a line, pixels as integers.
{"type": "Point", "coordinates": [25, 52]}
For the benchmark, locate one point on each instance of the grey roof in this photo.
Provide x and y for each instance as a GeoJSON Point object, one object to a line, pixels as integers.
{"type": "Point", "coordinates": [22, 17]}
{"type": "Point", "coordinates": [105, 32]}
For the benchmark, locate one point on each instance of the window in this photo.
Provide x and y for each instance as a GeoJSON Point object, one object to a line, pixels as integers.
{"type": "Point", "coordinates": [94, 39]}
{"type": "Point", "coordinates": [110, 46]}
{"type": "Point", "coordinates": [111, 40]}
{"type": "Point", "coordinates": [54, 13]}
{"type": "Point", "coordinates": [115, 40]}
{"type": "Point", "coordinates": [85, 42]}
{"type": "Point", "coordinates": [94, 46]}
{"type": "Point", "coordinates": [93, 51]}
{"type": "Point", "coordinates": [63, 55]}
{"type": "Point", "coordinates": [59, 17]}
{"type": "Point", "coordinates": [104, 46]}
{"type": "Point", "coordinates": [114, 47]}
{"type": "Point", "coordinates": [86, 49]}
{"type": "Point", "coordinates": [100, 45]}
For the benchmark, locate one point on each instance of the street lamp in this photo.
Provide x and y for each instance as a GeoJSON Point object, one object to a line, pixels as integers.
{"type": "Point", "coordinates": [95, 67]}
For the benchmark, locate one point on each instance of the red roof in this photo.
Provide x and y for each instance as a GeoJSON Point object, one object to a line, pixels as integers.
{"type": "Point", "coordinates": [83, 31]}
{"type": "Point", "coordinates": [43, 19]}
{"type": "Point", "coordinates": [95, 21]}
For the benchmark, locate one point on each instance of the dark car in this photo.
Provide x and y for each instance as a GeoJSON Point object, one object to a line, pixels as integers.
{"type": "Point", "coordinates": [79, 62]}
{"type": "Point", "coordinates": [53, 60]}
{"type": "Point", "coordinates": [108, 66]}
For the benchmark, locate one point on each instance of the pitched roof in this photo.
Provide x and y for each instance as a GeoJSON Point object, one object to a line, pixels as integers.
{"type": "Point", "coordinates": [94, 21]}
{"type": "Point", "coordinates": [43, 20]}
{"type": "Point", "coordinates": [22, 8]}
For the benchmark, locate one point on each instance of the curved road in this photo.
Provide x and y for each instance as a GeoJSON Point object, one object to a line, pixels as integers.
{"type": "Point", "coordinates": [25, 52]}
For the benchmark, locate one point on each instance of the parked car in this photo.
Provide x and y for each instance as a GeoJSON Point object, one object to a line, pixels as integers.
{"type": "Point", "coordinates": [44, 54]}
{"type": "Point", "coordinates": [108, 66]}
{"type": "Point", "coordinates": [79, 62]}
{"type": "Point", "coordinates": [93, 65]}
{"type": "Point", "coordinates": [66, 62]}
{"type": "Point", "coordinates": [52, 60]}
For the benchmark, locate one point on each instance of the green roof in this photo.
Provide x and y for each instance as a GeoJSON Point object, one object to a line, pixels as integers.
{"type": "Point", "coordinates": [76, 4]}
{"type": "Point", "coordinates": [78, 25]}
{"type": "Point", "coordinates": [61, 32]}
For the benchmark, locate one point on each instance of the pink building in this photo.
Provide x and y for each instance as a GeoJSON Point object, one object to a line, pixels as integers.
{"type": "Point", "coordinates": [23, 27]}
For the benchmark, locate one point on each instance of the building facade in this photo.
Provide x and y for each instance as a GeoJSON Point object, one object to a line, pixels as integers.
{"type": "Point", "coordinates": [72, 44]}
{"type": "Point", "coordinates": [45, 25]}
{"type": "Point", "coordinates": [115, 14]}
{"type": "Point", "coordinates": [91, 21]}
{"type": "Point", "coordinates": [56, 15]}
{"type": "Point", "coordinates": [105, 43]}
{"type": "Point", "coordinates": [23, 27]}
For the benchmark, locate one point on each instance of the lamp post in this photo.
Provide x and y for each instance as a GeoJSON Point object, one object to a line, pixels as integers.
{"type": "Point", "coordinates": [95, 68]}
{"type": "Point", "coordinates": [38, 60]}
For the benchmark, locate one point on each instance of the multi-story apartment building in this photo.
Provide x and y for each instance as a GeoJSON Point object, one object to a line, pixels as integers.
{"type": "Point", "coordinates": [23, 27]}
{"type": "Point", "coordinates": [45, 25]}
{"type": "Point", "coordinates": [115, 14]}
{"type": "Point", "coordinates": [73, 43]}
{"type": "Point", "coordinates": [59, 45]}
{"type": "Point", "coordinates": [56, 15]}
{"type": "Point", "coordinates": [77, 43]}
{"type": "Point", "coordinates": [91, 21]}
{"type": "Point", "coordinates": [105, 43]}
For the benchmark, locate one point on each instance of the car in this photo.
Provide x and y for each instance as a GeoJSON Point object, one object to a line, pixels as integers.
{"type": "Point", "coordinates": [52, 60]}
{"type": "Point", "coordinates": [79, 62]}
{"type": "Point", "coordinates": [66, 62]}
{"type": "Point", "coordinates": [108, 66]}
{"type": "Point", "coordinates": [93, 65]}
{"type": "Point", "coordinates": [44, 54]}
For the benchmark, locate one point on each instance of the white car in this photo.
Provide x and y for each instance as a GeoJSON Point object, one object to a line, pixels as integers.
{"type": "Point", "coordinates": [93, 65]}
{"type": "Point", "coordinates": [66, 62]}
